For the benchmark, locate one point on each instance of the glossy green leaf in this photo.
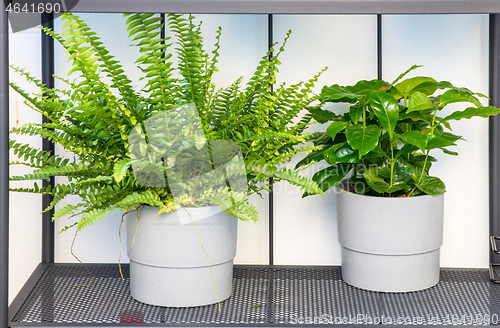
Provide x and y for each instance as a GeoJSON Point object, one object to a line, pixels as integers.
{"type": "Point", "coordinates": [356, 112]}
{"type": "Point", "coordinates": [471, 112]}
{"type": "Point", "coordinates": [404, 74]}
{"type": "Point", "coordinates": [423, 84]}
{"type": "Point", "coordinates": [418, 101]}
{"type": "Point", "coordinates": [384, 171]}
{"type": "Point", "coordinates": [375, 153]}
{"type": "Point", "coordinates": [419, 160]}
{"type": "Point", "coordinates": [330, 154]}
{"type": "Point", "coordinates": [346, 154]}
{"type": "Point", "coordinates": [449, 152]}
{"type": "Point", "coordinates": [337, 93]}
{"type": "Point", "coordinates": [363, 139]}
{"type": "Point", "coordinates": [444, 140]}
{"type": "Point", "coordinates": [448, 85]}
{"type": "Point", "coordinates": [321, 115]}
{"type": "Point", "coordinates": [417, 116]}
{"type": "Point", "coordinates": [364, 87]}
{"type": "Point", "coordinates": [372, 175]}
{"type": "Point", "coordinates": [319, 138]}
{"type": "Point", "coordinates": [445, 85]}
{"type": "Point", "coordinates": [315, 156]}
{"type": "Point", "coordinates": [406, 149]}
{"type": "Point", "coordinates": [401, 173]}
{"type": "Point", "coordinates": [378, 183]}
{"type": "Point", "coordinates": [415, 138]}
{"type": "Point", "coordinates": [331, 176]}
{"type": "Point", "coordinates": [350, 94]}
{"type": "Point", "coordinates": [387, 110]}
{"type": "Point", "coordinates": [453, 96]}
{"type": "Point", "coordinates": [335, 127]}
{"type": "Point", "coordinates": [431, 186]}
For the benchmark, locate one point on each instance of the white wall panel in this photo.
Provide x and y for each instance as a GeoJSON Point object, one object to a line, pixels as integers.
{"type": "Point", "coordinates": [25, 218]}
{"type": "Point", "coordinates": [452, 48]}
{"type": "Point", "coordinates": [306, 229]}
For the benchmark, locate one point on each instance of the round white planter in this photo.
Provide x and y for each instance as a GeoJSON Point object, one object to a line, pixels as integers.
{"type": "Point", "coordinates": [167, 264]}
{"type": "Point", "coordinates": [390, 244]}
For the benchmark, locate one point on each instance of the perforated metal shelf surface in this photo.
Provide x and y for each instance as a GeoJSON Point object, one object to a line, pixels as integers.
{"type": "Point", "coordinates": [262, 296]}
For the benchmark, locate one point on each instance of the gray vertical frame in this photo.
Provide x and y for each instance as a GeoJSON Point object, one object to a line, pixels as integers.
{"type": "Point", "coordinates": [270, 41]}
{"type": "Point", "coordinates": [4, 166]}
{"type": "Point", "coordinates": [494, 130]}
{"type": "Point", "coordinates": [379, 46]}
{"type": "Point", "coordinates": [48, 230]}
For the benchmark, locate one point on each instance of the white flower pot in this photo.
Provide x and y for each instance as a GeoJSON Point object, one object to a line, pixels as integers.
{"type": "Point", "coordinates": [168, 266]}
{"type": "Point", "coordinates": [390, 244]}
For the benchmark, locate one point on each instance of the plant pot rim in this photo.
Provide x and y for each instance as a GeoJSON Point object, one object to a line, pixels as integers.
{"type": "Point", "coordinates": [341, 188]}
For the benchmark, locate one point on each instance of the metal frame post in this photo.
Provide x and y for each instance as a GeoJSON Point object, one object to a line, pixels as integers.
{"type": "Point", "coordinates": [270, 41]}
{"type": "Point", "coordinates": [494, 130]}
{"type": "Point", "coordinates": [48, 230]}
{"type": "Point", "coordinates": [379, 46]}
{"type": "Point", "coordinates": [4, 166]}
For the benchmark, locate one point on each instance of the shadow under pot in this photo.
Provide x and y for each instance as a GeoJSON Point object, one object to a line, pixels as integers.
{"type": "Point", "coordinates": [389, 244]}
{"type": "Point", "coordinates": [168, 266]}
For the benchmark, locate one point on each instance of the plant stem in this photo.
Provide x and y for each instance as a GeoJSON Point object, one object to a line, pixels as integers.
{"type": "Point", "coordinates": [364, 116]}
{"type": "Point", "coordinates": [392, 165]}
{"type": "Point", "coordinates": [411, 192]}
{"type": "Point", "coordinates": [433, 127]}
{"type": "Point", "coordinates": [423, 169]}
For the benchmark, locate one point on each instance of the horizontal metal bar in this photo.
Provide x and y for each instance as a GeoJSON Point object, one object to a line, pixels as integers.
{"type": "Point", "coordinates": [292, 6]}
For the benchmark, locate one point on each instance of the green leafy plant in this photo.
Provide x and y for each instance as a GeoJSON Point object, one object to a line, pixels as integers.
{"type": "Point", "coordinates": [386, 137]}
{"type": "Point", "coordinates": [93, 118]}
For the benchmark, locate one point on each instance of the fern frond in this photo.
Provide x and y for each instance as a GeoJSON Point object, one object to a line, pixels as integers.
{"type": "Point", "coordinates": [41, 86]}
{"type": "Point", "coordinates": [48, 190]}
{"type": "Point", "coordinates": [35, 157]}
{"type": "Point", "coordinates": [92, 216]}
{"type": "Point", "coordinates": [191, 60]}
{"type": "Point", "coordinates": [101, 178]}
{"type": "Point", "coordinates": [80, 169]}
{"type": "Point", "coordinates": [109, 65]}
{"type": "Point", "coordinates": [128, 202]}
{"type": "Point", "coordinates": [265, 171]}
{"type": "Point", "coordinates": [161, 86]}
{"type": "Point", "coordinates": [208, 88]}
{"type": "Point", "coordinates": [31, 101]}
{"type": "Point", "coordinates": [137, 198]}
{"type": "Point", "coordinates": [68, 210]}
{"type": "Point", "coordinates": [75, 145]}
{"type": "Point", "coordinates": [244, 211]}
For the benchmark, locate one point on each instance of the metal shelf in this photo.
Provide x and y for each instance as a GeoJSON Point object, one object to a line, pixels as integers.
{"type": "Point", "coordinates": [306, 293]}
{"type": "Point", "coordinates": [278, 296]}
{"type": "Point", "coordinates": [293, 6]}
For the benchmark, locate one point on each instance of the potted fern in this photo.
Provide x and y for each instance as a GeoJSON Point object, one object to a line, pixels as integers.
{"type": "Point", "coordinates": [389, 207]}
{"type": "Point", "coordinates": [180, 156]}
